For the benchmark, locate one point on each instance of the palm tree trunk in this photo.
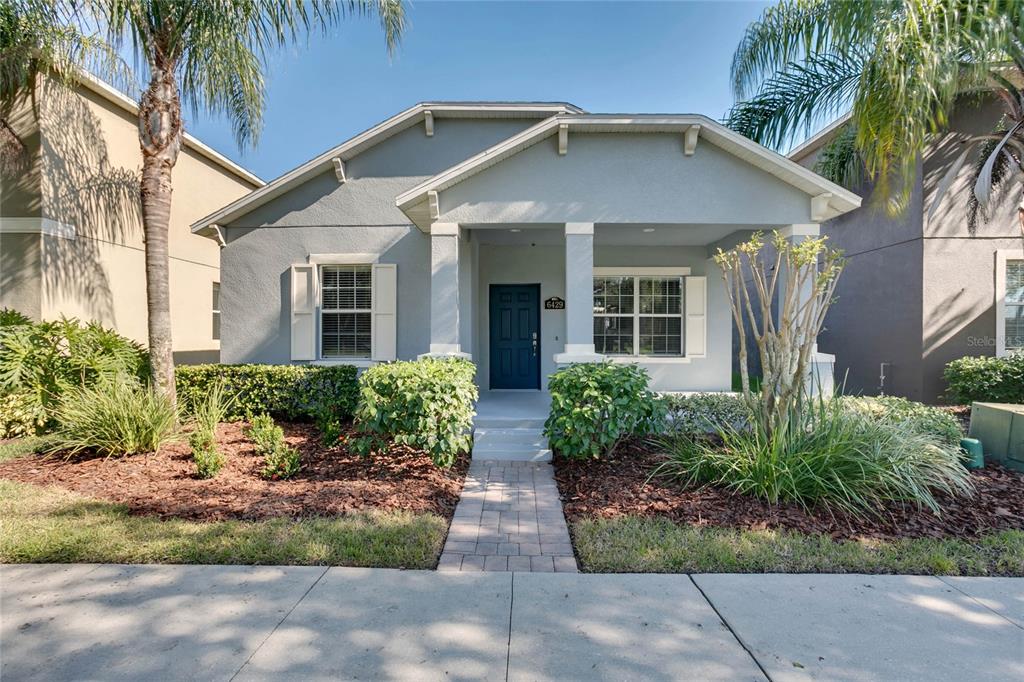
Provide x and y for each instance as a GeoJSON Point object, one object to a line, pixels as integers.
{"type": "Point", "coordinates": [160, 132]}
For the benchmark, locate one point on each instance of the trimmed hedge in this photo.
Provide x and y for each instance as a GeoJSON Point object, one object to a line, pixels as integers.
{"type": "Point", "coordinates": [596, 405]}
{"type": "Point", "coordinates": [285, 391]}
{"type": "Point", "coordinates": [986, 379]}
{"type": "Point", "coordinates": [426, 404]}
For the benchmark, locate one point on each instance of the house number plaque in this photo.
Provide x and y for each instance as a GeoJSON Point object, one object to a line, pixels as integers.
{"type": "Point", "coordinates": [554, 303]}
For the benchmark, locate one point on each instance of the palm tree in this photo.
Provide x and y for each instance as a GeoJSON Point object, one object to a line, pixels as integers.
{"type": "Point", "coordinates": [898, 66]}
{"type": "Point", "coordinates": [211, 54]}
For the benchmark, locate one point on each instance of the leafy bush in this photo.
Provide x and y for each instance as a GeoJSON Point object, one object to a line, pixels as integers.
{"type": "Point", "coordinates": [40, 361]}
{"type": "Point", "coordinates": [705, 412]}
{"type": "Point", "coordinates": [280, 460]}
{"type": "Point", "coordinates": [836, 456]}
{"type": "Point", "coordinates": [986, 379]}
{"type": "Point", "coordinates": [285, 391]}
{"type": "Point", "coordinates": [426, 404]}
{"type": "Point", "coordinates": [118, 416]}
{"type": "Point", "coordinates": [280, 463]}
{"type": "Point", "coordinates": [918, 417]}
{"type": "Point", "coordinates": [207, 413]}
{"type": "Point", "coordinates": [595, 405]}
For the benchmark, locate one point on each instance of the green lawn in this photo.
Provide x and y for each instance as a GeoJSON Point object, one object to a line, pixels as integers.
{"type": "Point", "coordinates": [651, 545]}
{"type": "Point", "coordinates": [40, 525]}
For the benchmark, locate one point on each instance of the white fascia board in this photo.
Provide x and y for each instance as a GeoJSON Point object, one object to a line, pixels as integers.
{"type": "Point", "coordinates": [368, 138]}
{"type": "Point", "coordinates": [841, 201]}
{"type": "Point", "coordinates": [819, 139]}
{"type": "Point", "coordinates": [115, 96]}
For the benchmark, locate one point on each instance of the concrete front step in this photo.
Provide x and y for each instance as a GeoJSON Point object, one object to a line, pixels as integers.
{"type": "Point", "coordinates": [508, 422]}
{"type": "Point", "coordinates": [516, 444]}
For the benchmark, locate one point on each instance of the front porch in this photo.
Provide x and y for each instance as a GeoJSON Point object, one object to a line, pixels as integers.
{"type": "Point", "coordinates": [592, 238]}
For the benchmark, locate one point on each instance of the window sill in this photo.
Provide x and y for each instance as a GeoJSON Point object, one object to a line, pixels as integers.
{"type": "Point", "coordinates": [650, 359]}
{"type": "Point", "coordinates": [355, 362]}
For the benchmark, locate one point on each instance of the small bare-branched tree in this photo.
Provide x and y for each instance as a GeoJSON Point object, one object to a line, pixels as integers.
{"type": "Point", "coordinates": [801, 279]}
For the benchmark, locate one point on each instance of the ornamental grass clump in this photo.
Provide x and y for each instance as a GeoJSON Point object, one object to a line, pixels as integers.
{"type": "Point", "coordinates": [832, 456]}
{"type": "Point", "coordinates": [207, 413]}
{"type": "Point", "coordinates": [118, 416]}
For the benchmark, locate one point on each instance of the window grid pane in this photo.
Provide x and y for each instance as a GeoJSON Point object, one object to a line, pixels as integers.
{"type": "Point", "coordinates": [613, 335]}
{"type": "Point", "coordinates": [345, 291]}
{"type": "Point", "coordinates": [638, 315]}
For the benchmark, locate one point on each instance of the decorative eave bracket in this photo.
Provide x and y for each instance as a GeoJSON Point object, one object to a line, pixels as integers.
{"type": "Point", "coordinates": [339, 170]}
{"type": "Point", "coordinates": [435, 209]}
{"type": "Point", "coordinates": [563, 139]}
{"type": "Point", "coordinates": [690, 140]}
{"type": "Point", "coordinates": [819, 207]}
{"type": "Point", "coordinates": [428, 123]}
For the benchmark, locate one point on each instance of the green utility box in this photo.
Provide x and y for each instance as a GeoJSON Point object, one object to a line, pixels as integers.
{"type": "Point", "coordinates": [1000, 428]}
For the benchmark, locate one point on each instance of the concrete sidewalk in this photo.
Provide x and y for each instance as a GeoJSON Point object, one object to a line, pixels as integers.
{"type": "Point", "coordinates": [223, 622]}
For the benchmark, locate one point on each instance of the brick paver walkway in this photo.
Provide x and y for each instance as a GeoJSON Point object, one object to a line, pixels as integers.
{"type": "Point", "coordinates": [509, 518]}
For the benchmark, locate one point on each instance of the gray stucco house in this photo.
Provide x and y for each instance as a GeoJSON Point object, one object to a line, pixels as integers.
{"type": "Point", "coordinates": [522, 235]}
{"type": "Point", "coordinates": [919, 290]}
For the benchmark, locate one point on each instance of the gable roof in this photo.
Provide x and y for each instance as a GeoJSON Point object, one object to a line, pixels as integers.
{"type": "Point", "coordinates": [353, 146]}
{"type": "Point", "coordinates": [115, 96]}
{"type": "Point", "coordinates": [415, 201]}
{"type": "Point", "coordinates": [819, 139]}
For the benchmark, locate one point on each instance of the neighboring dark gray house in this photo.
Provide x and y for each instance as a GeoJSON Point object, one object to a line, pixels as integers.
{"type": "Point", "coordinates": [919, 292]}
{"type": "Point", "coordinates": [523, 235]}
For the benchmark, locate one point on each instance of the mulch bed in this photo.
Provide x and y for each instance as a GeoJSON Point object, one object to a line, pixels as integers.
{"type": "Point", "coordinates": [618, 486]}
{"type": "Point", "coordinates": [333, 481]}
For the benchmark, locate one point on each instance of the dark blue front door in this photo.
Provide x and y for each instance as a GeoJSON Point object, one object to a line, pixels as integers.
{"type": "Point", "coordinates": [515, 336]}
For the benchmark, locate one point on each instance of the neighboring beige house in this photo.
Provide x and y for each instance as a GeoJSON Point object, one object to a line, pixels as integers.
{"type": "Point", "coordinates": [71, 238]}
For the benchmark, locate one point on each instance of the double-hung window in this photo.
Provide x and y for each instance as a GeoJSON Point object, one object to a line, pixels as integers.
{"type": "Point", "coordinates": [639, 315]}
{"type": "Point", "coordinates": [1013, 307]}
{"type": "Point", "coordinates": [346, 302]}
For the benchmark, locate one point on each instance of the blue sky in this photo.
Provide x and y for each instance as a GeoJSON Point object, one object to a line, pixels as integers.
{"type": "Point", "coordinates": [603, 56]}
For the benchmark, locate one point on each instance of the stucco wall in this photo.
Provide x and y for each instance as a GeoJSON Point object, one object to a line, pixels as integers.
{"type": "Point", "coordinates": [359, 216]}
{"type": "Point", "coordinates": [20, 259]}
{"type": "Point", "coordinates": [624, 178]}
{"type": "Point", "coordinates": [88, 164]}
{"type": "Point", "coordinates": [918, 290]}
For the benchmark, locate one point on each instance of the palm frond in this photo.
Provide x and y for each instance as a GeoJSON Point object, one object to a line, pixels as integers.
{"type": "Point", "coordinates": [840, 161]}
{"type": "Point", "coordinates": [793, 30]}
{"type": "Point", "coordinates": [796, 99]}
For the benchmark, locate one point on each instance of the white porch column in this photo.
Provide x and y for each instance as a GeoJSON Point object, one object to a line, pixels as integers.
{"type": "Point", "coordinates": [579, 295]}
{"type": "Point", "coordinates": [444, 291]}
{"type": "Point", "coordinates": [820, 377]}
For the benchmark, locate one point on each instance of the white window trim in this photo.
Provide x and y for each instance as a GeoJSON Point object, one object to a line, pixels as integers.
{"type": "Point", "coordinates": [1002, 256]}
{"type": "Point", "coordinates": [215, 311]}
{"type": "Point", "coordinates": [343, 360]}
{"type": "Point", "coordinates": [343, 258]}
{"type": "Point", "coordinates": [637, 273]}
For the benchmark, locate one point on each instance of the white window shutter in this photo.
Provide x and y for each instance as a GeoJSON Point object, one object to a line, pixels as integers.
{"type": "Point", "coordinates": [303, 312]}
{"type": "Point", "coordinates": [696, 317]}
{"type": "Point", "coordinates": [385, 307]}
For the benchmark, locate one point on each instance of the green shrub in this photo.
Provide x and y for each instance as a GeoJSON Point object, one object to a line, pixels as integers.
{"type": "Point", "coordinates": [40, 361]}
{"type": "Point", "coordinates": [986, 379]}
{"type": "Point", "coordinates": [207, 413]}
{"type": "Point", "coordinates": [705, 412]}
{"type": "Point", "coordinates": [285, 391]}
{"type": "Point", "coordinates": [118, 416]}
{"type": "Point", "coordinates": [837, 457]}
{"type": "Point", "coordinates": [426, 404]}
{"type": "Point", "coordinates": [595, 405]}
{"type": "Point", "coordinates": [280, 463]}
{"type": "Point", "coordinates": [918, 417]}
{"type": "Point", "coordinates": [10, 317]}
{"type": "Point", "coordinates": [207, 459]}
{"type": "Point", "coordinates": [279, 459]}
